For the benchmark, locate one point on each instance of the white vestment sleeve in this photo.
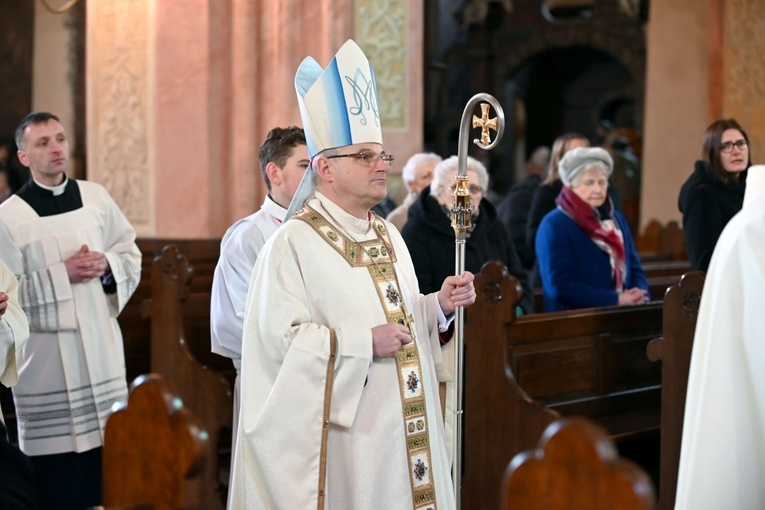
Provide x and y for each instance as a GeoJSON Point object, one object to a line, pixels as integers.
{"type": "Point", "coordinates": [231, 281]}
{"type": "Point", "coordinates": [284, 310]}
{"type": "Point", "coordinates": [44, 294]}
{"type": "Point", "coordinates": [14, 329]}
{"type": "Point", "coordinates": [123, 256]}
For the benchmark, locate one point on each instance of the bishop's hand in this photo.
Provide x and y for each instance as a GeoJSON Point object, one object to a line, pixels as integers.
{"type": "Point", "coordinates": [456, 291]}
{"type": "Point", "coordinates": [3, 304]}
{"type": "Point", "coordinates": [389, 339]}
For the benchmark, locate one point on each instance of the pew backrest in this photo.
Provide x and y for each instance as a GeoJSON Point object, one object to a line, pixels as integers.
{"type": "Point", "coordinates": [681, 309]}
{"type": "Point", "coordinates": [575, 467]}
{"type": "Point", "coordinates": [152, 445]}
{"type": "Point", "coordinates": [179, 317]}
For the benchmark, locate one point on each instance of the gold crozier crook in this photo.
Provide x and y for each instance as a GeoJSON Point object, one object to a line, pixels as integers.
{"type": "Point", "coordinates": [485, 123]}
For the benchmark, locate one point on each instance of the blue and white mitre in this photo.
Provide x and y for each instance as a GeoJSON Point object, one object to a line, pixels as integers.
{"type": "Point", "coordinates": [338, 106]}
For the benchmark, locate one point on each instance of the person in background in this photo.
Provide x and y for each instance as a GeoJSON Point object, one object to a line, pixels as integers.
{"type": "Point", "coordinates": [416, 174]}
{"type": "Point", "coordinates": [584, 247]}
{"type": "Point", "coordinates": [714, 192]}
{"type": "Point", "coordinates": [430, 237]}
{"type": "Point", "coordinates": [543, 199]}
{"type": "Point", "coordinates": [722, 459]}
{"type": "Point", "coordinates": [515, 207]}
{"type": "Point", "coordinates": [16, 476]}
{"type": "Point", "coordinates": [74, 254]}
{"type": "Point", "coordinates": [283, 161]}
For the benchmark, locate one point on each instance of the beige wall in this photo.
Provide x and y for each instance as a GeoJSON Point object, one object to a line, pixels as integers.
{"type": "Point", "coordinates": [184, 91]}
{"type": "Point", "coordinates": [210, 78]}
{"type": "Point", "coordinates": [714, 69]}
{"type": "Point", "coordinates": [51, 90]}
{"type": "Point", "coordinates": [677, 80]}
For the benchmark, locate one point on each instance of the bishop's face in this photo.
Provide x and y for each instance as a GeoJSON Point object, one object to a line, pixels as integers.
{"type": "Point", "coordinates": [45, 150]}
{"type": "Point", "coordinates": [354, 184]}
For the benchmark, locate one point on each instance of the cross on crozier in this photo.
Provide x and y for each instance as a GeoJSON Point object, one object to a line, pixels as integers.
{"type": "Point", "coordinates": [485, 123]}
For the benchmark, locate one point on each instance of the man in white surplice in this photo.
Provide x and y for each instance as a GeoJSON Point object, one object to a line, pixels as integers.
{"type": "Point", "coordinates": [75, 257]}
{"type": "Point", "coordinates": [283, 160]}
{"type": "Point", "coordinates": [341, 353]}
{"type": "Point", "coordinates": [722, 461]}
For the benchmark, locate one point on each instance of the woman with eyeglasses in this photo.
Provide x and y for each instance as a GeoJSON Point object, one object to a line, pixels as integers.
{"type": "Point", "coordinates": [429, 235]}
{"type": "Point", "coordinates": [714, 192]}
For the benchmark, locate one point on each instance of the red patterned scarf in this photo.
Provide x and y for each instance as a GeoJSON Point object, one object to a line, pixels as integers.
{"type": "Point", "coordinates": [602, 234]}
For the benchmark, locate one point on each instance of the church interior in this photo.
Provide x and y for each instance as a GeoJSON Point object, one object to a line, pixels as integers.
{"type": "Point", "coordinates": [166, 103]}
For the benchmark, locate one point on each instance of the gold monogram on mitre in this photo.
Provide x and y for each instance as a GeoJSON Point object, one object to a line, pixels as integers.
{"type": "Point", "coordinates": [485, 123]}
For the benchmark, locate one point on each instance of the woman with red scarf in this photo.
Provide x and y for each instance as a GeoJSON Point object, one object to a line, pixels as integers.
{"type": "Point", "coordinates": [584, 247]}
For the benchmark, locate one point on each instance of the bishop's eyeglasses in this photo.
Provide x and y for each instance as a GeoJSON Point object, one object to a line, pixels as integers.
{"type": "Point", "coordinates": [727, 147]}
{"type": "Point", "coordinates": [367, 157]}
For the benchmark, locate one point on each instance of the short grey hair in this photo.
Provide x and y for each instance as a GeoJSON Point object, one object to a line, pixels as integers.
{"type": "Point", "coordinates": [409, 172]}
{"type": "Point", "coordinates": [446, 171]}
{"type": "Point", "coordinates": [596, 165]}
{"type": "Point", "coordinates": [579, 159]}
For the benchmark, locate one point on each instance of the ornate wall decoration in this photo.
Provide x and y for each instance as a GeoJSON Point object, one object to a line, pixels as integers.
{"type": "Point", "coordinates": [118, 105]}
{"type": "Point", "coordinates": [744, 69]}
{"type": "Point", "coordinates": [380, 30]}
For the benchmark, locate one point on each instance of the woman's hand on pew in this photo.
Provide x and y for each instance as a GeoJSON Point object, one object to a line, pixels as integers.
{"type": "Point", "coordinates": [456, 291]}
{"type": "Point", "coordinates": [633, 296]}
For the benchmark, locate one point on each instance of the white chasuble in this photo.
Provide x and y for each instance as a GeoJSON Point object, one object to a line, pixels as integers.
{"type": "Point", "coordinates": [73, 368]}
{"type": "Point", "coordinates": [378, 456]}
{"type": "Point", "coordinates": [722, 460]}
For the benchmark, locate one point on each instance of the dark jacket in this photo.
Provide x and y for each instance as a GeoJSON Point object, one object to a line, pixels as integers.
{"type": "Point", "coordinates": [429, 235]}
{"type": "Point", "coordinates": [513, 211]}
{"type": "Point", "coordinates": [707, 205]}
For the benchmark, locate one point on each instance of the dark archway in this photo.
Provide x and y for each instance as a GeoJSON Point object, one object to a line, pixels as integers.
{"type": "Point", "coordinates": [566, 89]}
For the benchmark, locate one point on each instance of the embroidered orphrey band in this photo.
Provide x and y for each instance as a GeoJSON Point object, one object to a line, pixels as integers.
{"type": "Point", "coordinates": [378, 256]}
{"type": "Point", "coordinates": [325, 423]}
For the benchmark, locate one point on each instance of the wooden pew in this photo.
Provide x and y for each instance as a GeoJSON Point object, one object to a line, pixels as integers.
{"type": "Point", "coordinates": [575, 467]}
{"type": "Point", "coordinates": [681, 309]}
{"type": "Point", "coordinates": [522, 374]}
{"type": "Point", "coordinates": [136, 329]}
{"type": "Point", "coordinates": [180, 319]}
{"type": "Point", "coordinates": [662, 242]}
{"type": "Point", "coordinates": [152, 445]}
{"type": "Point", "coordinates": [661, 274]}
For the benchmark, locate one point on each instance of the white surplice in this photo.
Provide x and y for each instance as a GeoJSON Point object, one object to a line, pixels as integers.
{"type": "Point", "coordinates": [73, 368]}
{"type": "Point", "coordinates": [239, 251]}
{"type": "Point", "coordinates": [14, 330]}
{"type": "Point", "coordinates": [722, 462]}
{"type": "Point", "coordinates": [301, 289]}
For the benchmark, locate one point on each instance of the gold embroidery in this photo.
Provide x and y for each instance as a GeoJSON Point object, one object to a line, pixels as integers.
{"type": "Point", "coordinates": [378, 256]}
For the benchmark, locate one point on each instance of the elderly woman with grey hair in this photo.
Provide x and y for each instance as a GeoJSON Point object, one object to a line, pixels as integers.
{"type": "Point", "coordinates": [430, 238]}
{"type": "Point", "coordinates": [417, 175]}
{"type": "Point", "coordinates": [584, 247]}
